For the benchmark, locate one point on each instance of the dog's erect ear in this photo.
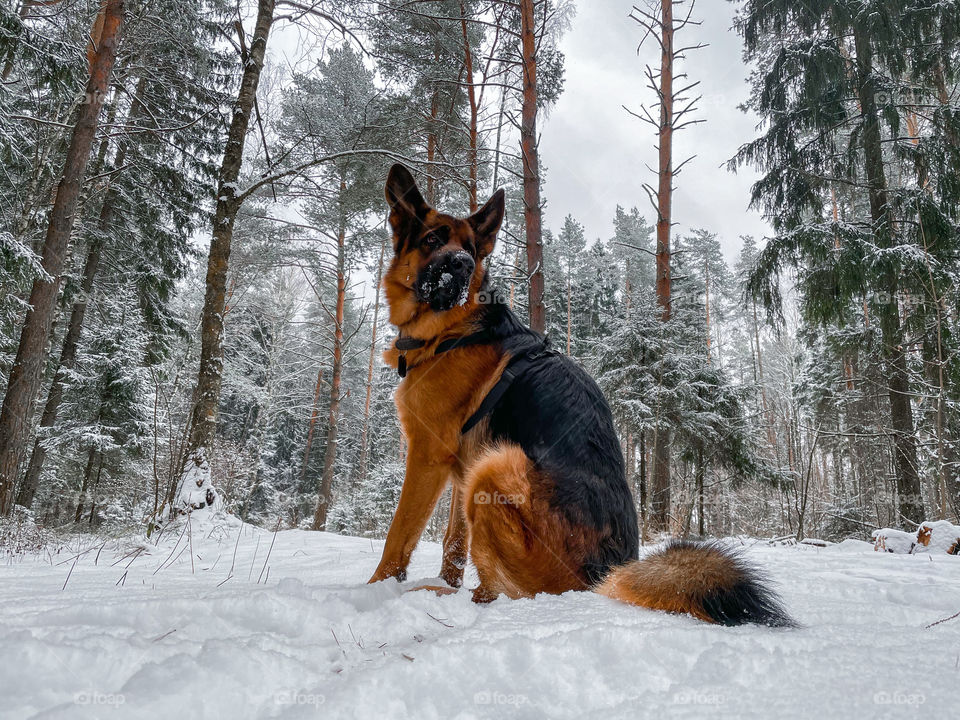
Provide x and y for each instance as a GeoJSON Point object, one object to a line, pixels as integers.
{"type": "Point", "coordinates": [485, 223]}
{"type": "Point", "coordinates": [407, 206]}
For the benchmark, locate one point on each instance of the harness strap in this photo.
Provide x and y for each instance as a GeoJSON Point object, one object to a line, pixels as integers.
{"type": "Point", "coordinates": [517, 366]}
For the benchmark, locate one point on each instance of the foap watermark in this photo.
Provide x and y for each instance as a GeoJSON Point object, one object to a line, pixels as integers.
{"type": "Point", "coordinates": [94, 697]}
{"type": "Point", "coordinates": [899, 697]}
{"type": "Point", "coordinates": [907, 301]}
{"type": "Point", "coordinates": [899, 96]}
{"type": "Point", "coordinates": [493, 697]}
{"type": "Point", "coordinates": [97, 96]}
{"type": "Point", "coordinates": [295, 697]}
{"type": "Point", "coordinates": [492, 296]}
{"type": "Point", "coordinates": [699, 697]}
{"type": "Point", "coordinates": [497, 498]}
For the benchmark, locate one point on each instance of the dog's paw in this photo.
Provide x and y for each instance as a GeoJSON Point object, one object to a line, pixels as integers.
{"type": "Point", "coordinates": [452, 575]}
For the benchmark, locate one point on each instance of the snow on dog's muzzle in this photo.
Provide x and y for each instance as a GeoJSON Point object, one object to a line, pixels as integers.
{"type": "Point", "coordinates": [445, 282]}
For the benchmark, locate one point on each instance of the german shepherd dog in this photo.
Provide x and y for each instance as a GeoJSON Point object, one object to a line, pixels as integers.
{"type": "Point", "coordinates": [539, 497]}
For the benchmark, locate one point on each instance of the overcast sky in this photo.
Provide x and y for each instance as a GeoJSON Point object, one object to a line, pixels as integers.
{"type": "Point", "coordinates": [594, 151]}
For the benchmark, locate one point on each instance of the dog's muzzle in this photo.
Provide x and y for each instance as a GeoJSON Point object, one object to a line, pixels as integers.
{"type": "Point", "coordinates": [445, 281]}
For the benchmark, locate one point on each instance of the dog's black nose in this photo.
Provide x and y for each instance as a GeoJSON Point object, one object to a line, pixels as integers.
{"type": "Point", "coordinates": [460, 262]}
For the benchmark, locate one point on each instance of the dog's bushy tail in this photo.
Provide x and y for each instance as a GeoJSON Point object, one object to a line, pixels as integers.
{"type": "Point", "coordinates": [703, 579]}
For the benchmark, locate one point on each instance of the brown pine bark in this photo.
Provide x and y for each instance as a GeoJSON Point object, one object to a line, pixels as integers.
{"type": "Point", "coordinates": [206, 398]}
{"type": "Point", "coordinates": [433, 136]}
{"type": "Point", "coordinates": [660, 490]}
{"type": "Point", "coordinates": [531, 166]}
{"type": "Point", "coordinates": [707, 305]}
{"type": "Point", "coordinates": [700, 473]}
{"type": "Point", "coordinates": [910, 507]}
{"type": "Point", "coordinates": [474, 110]}
{"type": "Point", "coordinates": [642, 483]}
{"type": "Point", "coordinates": [365, 432]}
{"type": "Point", "coordinates": [311, 425]}
{"type": "Point", "coordinates": [333, 417]}
{"type": "Point", "coordinates": [26, 373]}
{"type": "Point", "coordinates": [627, 290]}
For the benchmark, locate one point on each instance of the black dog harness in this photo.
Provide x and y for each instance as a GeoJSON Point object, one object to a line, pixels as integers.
{"type": "Point", "coordinates": [516, 366]}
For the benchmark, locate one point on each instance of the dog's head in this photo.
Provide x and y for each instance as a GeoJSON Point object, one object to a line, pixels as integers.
{"type": "Point", "coordinates": [438, 259]}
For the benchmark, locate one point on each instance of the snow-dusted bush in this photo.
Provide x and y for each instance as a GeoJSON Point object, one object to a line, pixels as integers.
{"type": "Point", "coordinates": [19, 533]}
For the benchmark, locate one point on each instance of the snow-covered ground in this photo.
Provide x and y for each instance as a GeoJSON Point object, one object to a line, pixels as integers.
{"type": "Point", "coordinates": [246, 631]}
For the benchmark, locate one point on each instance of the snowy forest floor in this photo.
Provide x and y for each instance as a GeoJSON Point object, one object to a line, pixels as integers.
{"type": "Point", "coordinates": [130, 629]}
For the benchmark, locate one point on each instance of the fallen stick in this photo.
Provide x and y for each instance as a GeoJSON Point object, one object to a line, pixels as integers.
{"type": "Point", "coordinates": [942, 620]}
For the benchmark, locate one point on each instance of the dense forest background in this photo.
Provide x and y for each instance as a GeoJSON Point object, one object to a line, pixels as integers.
{"type": "Point", "coordinates": [192, 231]}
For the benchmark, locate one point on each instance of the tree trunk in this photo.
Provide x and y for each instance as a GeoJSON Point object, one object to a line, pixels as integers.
{"type": "Point", "coordinates": [315, 411]}
{"type": "Point", "coordinates": [474, 110]}
{"type": "Point", "coordinates": [27, 370]}
{"type": "Point", "coordinates": [432, 141]}
{"type": "Point", "coordinates": [626, 289]}
{"type": "Point", "coordinates": [497, 143]}
{"type": "Point", "coordinates": [85, 487]}
{"type": "Point", "coordinates": [660, 487]}
{"type": "Point", "coordinates": [758, 380]}
{"type": "Point", "coordinates": [707, 306]}
{"type": "Point", "coordinates": [531, 167]}
{"type": "Point", "coordinates": [93, 494]}
{"type": "Point", "coordinates": [642, 481]}
{"type": "Point", "coordinates": [365, 432]}
{"type": "Point", "coordinates": [898, 384]}
{"type": "Point", "coordinates": [701, 471]}
{"type": "Point", "coordinates": [660, 497]}
{"type": "Point", "coordinates": [196, 487]}
{"type": "Point", "coordinates": [333, 419]}
{"type": "Point", "coordinates": [665, 169]}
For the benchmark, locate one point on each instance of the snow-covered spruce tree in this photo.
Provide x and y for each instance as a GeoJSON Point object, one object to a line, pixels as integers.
{"type": "Point", "coordinates": [632, 245]}
{"type": "Point", "coordinates": [835, 81]}
{"type": "Point", "coordinates": [656, 376]}
{"type": "Point", "coordinates": [711, 280]}
{"type": "Point", "coordinates": [600, 280]}
{"type": "Point", "coordinates": [99, 454]}
{"type": "Point", "coordinates": [563, 262]}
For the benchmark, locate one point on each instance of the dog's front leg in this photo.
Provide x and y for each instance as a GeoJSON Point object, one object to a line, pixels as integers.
{"type": "Point", "coordinates": [455, 541]}
{"type": "Point", "coordinates": [426, 476]}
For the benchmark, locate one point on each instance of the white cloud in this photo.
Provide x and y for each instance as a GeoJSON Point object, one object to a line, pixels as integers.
{"type": "Point", "coordinates": [595, 152]}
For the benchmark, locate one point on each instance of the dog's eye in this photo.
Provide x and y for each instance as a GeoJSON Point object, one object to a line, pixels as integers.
{"type": "Point", "coordinates": [433, 241]}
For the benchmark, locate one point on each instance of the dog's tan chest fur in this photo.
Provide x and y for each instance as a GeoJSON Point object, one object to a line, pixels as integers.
{"type": "Point", "coordinates": [440, 394]}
